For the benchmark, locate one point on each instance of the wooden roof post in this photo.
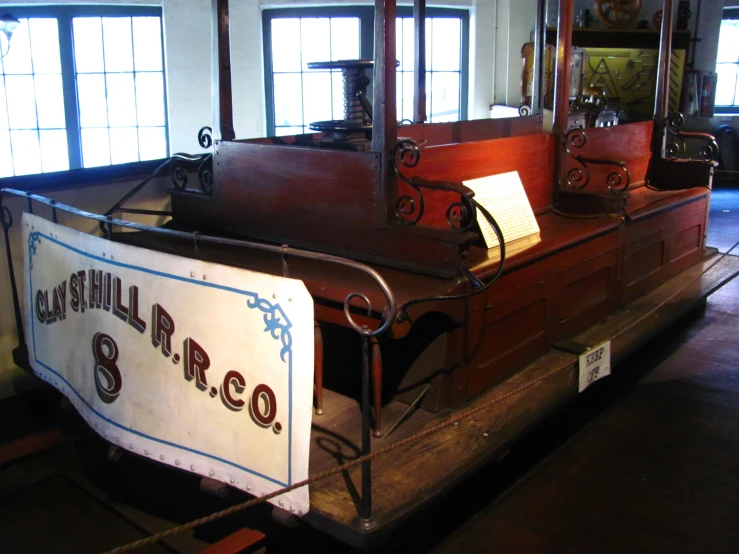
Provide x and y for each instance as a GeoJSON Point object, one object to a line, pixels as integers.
{"type": "Point", "coordinates": [221, 96]}
{"type": "Point", "coordinates": [562, 84]}
{"type": "Point", "coordinates": [662, 93]}
{"type": "Point", "coordinates": [384, 109]}
{"type": "Point", "coordinates": [384, 122]}
{"type": "Point", "coordinates": [419, 65]}
{"type": "Point", "coordinates": [537, 90]}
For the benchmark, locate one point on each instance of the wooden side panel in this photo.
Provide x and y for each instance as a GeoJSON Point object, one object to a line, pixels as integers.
{"type": "Point", "coordinates": [659, 247]}
{"type": "Point", "coordinates": [468, 131]}
{"type": "Point", "coordinates": [265, 185]}
{"type": "Point", "coordinates": [539, 304]}
{"type": "Point", "coordinates": [630, 143]}
{"type": "Point", "coordinates": [532, 156]}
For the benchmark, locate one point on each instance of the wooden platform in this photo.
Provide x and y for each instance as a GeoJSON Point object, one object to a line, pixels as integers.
{"type": "Point", "coordinates": [410, 475]}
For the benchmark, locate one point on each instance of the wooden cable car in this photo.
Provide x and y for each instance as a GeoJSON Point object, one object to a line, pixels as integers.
{"type": "Point", "coordinates": [459, 328]}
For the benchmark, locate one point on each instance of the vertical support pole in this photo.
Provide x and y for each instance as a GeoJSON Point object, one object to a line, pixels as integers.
{"type": "Point", "coordinates": [537, 90]}
{"type": "Point", "coordinates": [318, 366]}
{"type": "Point", "coordinates": [7, 222]}
{"type": "Point", "coordinates": [662, 93]}
{"type": "Point", "coordinates": [365, 505]}
{"type": "Point", "coordinates": [221, 96]}
{"type": "Point", "coordinates": [377, 385]}
{"type": "Point", "coordinates": [419, 62]}
{"type": "Point", "coordinates": [562, 85]}
{"type": "Point", "coordinates": [384, 110]}
{"type": "Point", "coordinates": [384, 106]}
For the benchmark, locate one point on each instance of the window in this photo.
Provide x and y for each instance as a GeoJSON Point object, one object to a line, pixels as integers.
{"type": "Point", "coordinates": [727, 63]}
{"type": "Point", "coordinates": [297, 96]}
{"type": "Point", "coordinates": [82, 86]}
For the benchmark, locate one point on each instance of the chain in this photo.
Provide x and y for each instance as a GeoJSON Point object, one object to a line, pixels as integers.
{"type": "Point", "coordinates": [402, 442]}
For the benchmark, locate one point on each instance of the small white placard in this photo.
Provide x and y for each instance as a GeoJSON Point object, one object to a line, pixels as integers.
{"type": "Point", "coordinates": [595, 364]}
{"type": "Point", "coordinates": [505, 198]}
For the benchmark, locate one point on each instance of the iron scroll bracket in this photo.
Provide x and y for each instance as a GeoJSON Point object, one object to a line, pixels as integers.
{"type": "Point", "coordinates": [675, 145]}
{"type": "Point", "coordinates": [577, 178]}
{"type": "Point", "coordinates": [460, 215]}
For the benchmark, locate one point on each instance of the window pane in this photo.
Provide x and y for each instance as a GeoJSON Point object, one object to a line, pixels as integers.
{"type": "Point", "coordinates": [726, 84]}
{"type": "Point", "coordinates": [405, 99]}
{"type": "Point", "coordinates": [95, 147]}
{"type": "Point", "coordinates": [6, 160]}
{"type": "Point", "coordinates": [446, 44]}
{"type": "Point", "coordinates": [88, 44]}
{"type": "Point", "coordinates": [124, 145]}
{"type": "Point", "coordinates": [344, 38]}
{"type": "Point", "coordinates": [26, 158]}
{"type": "Point", "coordinates": [147, 44]}
{"type": "Point", "coordinates": [337, 94]}
{"type": "Point", "coordinates": [409, 45]}
{"type": "Point", "coordinates": [152, 143]}
{"type": "Point", "coordinates": [728, 41]}
{"type": "Point", "coordinates": [117, 43]}
{"type": "Point", "coordinates": [289, 131]}
{"type": "Point", "coordinates": [445, 95]}
{"type": "Point", "coordinates": [288, 99]}
{"type": "Point", "coordinates": [54, 153]}
{"type": "Point", "coordinates": [121, 100]}
{"type": "Point", "coordinates": [18, 59]}
{"type": "Point", "coordinates": [91, 98]}
{"type": "Point", "coordinates": [50, 102]}
{"type": "Point", "coordinates": [316, 39]}
{"type": "Point", "coordinates": [429, 41]}
{"type": "Point", "coordinates": [21, 101]}
{"type": "Point", "coordinates": [285, 45]}
{"type": "Point", "coordinates": [150, 99]}
{"type": "Point", "coordinates": [316, 97]}
{"type": "Point", "coordinates": [3, 106]}
{"type": "Point", "coordinates": [45, 45]}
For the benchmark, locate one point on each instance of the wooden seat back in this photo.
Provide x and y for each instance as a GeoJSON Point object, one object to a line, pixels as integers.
{"type": "Point", "coordinates": [531, 155]}
{"type": "Point", "coordinates": [630, 143]}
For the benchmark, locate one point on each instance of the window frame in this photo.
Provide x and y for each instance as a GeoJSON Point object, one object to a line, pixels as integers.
{"type": "Point", "coordinates": [366, 15]}
{"type": "Point", "coordinates": [729, 109]}
{"type": "Point", "coordinates": [64, 15]}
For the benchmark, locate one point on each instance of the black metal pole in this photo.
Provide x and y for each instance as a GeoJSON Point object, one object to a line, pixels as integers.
{"type": "Point", "coordinates": [365, 509]}
{"type": "Point", "coordinates": [7, 222]}
{"type": "Point", "coordinates": [537, 94]}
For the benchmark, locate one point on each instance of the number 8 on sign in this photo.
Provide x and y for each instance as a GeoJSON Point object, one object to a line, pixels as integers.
{"type": "Point", "coordinates": [108, 380]}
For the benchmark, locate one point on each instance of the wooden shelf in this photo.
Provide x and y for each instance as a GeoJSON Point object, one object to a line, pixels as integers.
{"type": "Point", "coordinates": [621, 38]}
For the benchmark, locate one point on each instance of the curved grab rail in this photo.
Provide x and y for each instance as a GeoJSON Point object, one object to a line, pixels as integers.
{"type": "Point", "coordinates": [388, 314]}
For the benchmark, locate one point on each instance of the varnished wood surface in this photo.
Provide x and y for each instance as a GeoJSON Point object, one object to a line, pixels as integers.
{"type": "Point", "coordinates": [532, 156]}
{"type": "Point", "coordinates": [645, 202]}
{"type": "Point", "coordinates": [413, 473]}
{"type": "Point", "coordinates": [649, 468]}
{"type": "Point", "coordinates": [331, 283]}
{"type": "Point", "coordinates": [434, 134]}
{"type": "Point", "coordinates": [630, 143]}
{"type": "Point", "coordinates": [268, 186]}
{"type": "Point", "coordinates": [557, 233]}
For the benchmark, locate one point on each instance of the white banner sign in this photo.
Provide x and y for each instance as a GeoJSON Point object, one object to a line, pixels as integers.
{"type": "Point", "coordinates": [197, 365]}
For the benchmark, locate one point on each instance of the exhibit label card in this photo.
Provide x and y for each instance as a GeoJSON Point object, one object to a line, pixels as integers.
{"type": "Point", "coordinates": [204, 367]}
{"type": "Point", "coordinates": [505, 198]}
{"type": "Point", "coordinates": [595, 364]}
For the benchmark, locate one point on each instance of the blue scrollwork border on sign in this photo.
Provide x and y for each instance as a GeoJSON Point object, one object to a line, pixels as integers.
{"type": "Point", "coordinates": [275, 320]}
{"type": "Point", "coordinates": [33, 239]}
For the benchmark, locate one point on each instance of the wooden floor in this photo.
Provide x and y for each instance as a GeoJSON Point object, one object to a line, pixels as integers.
{"type": "Point", "coordinates": [646, 462]}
